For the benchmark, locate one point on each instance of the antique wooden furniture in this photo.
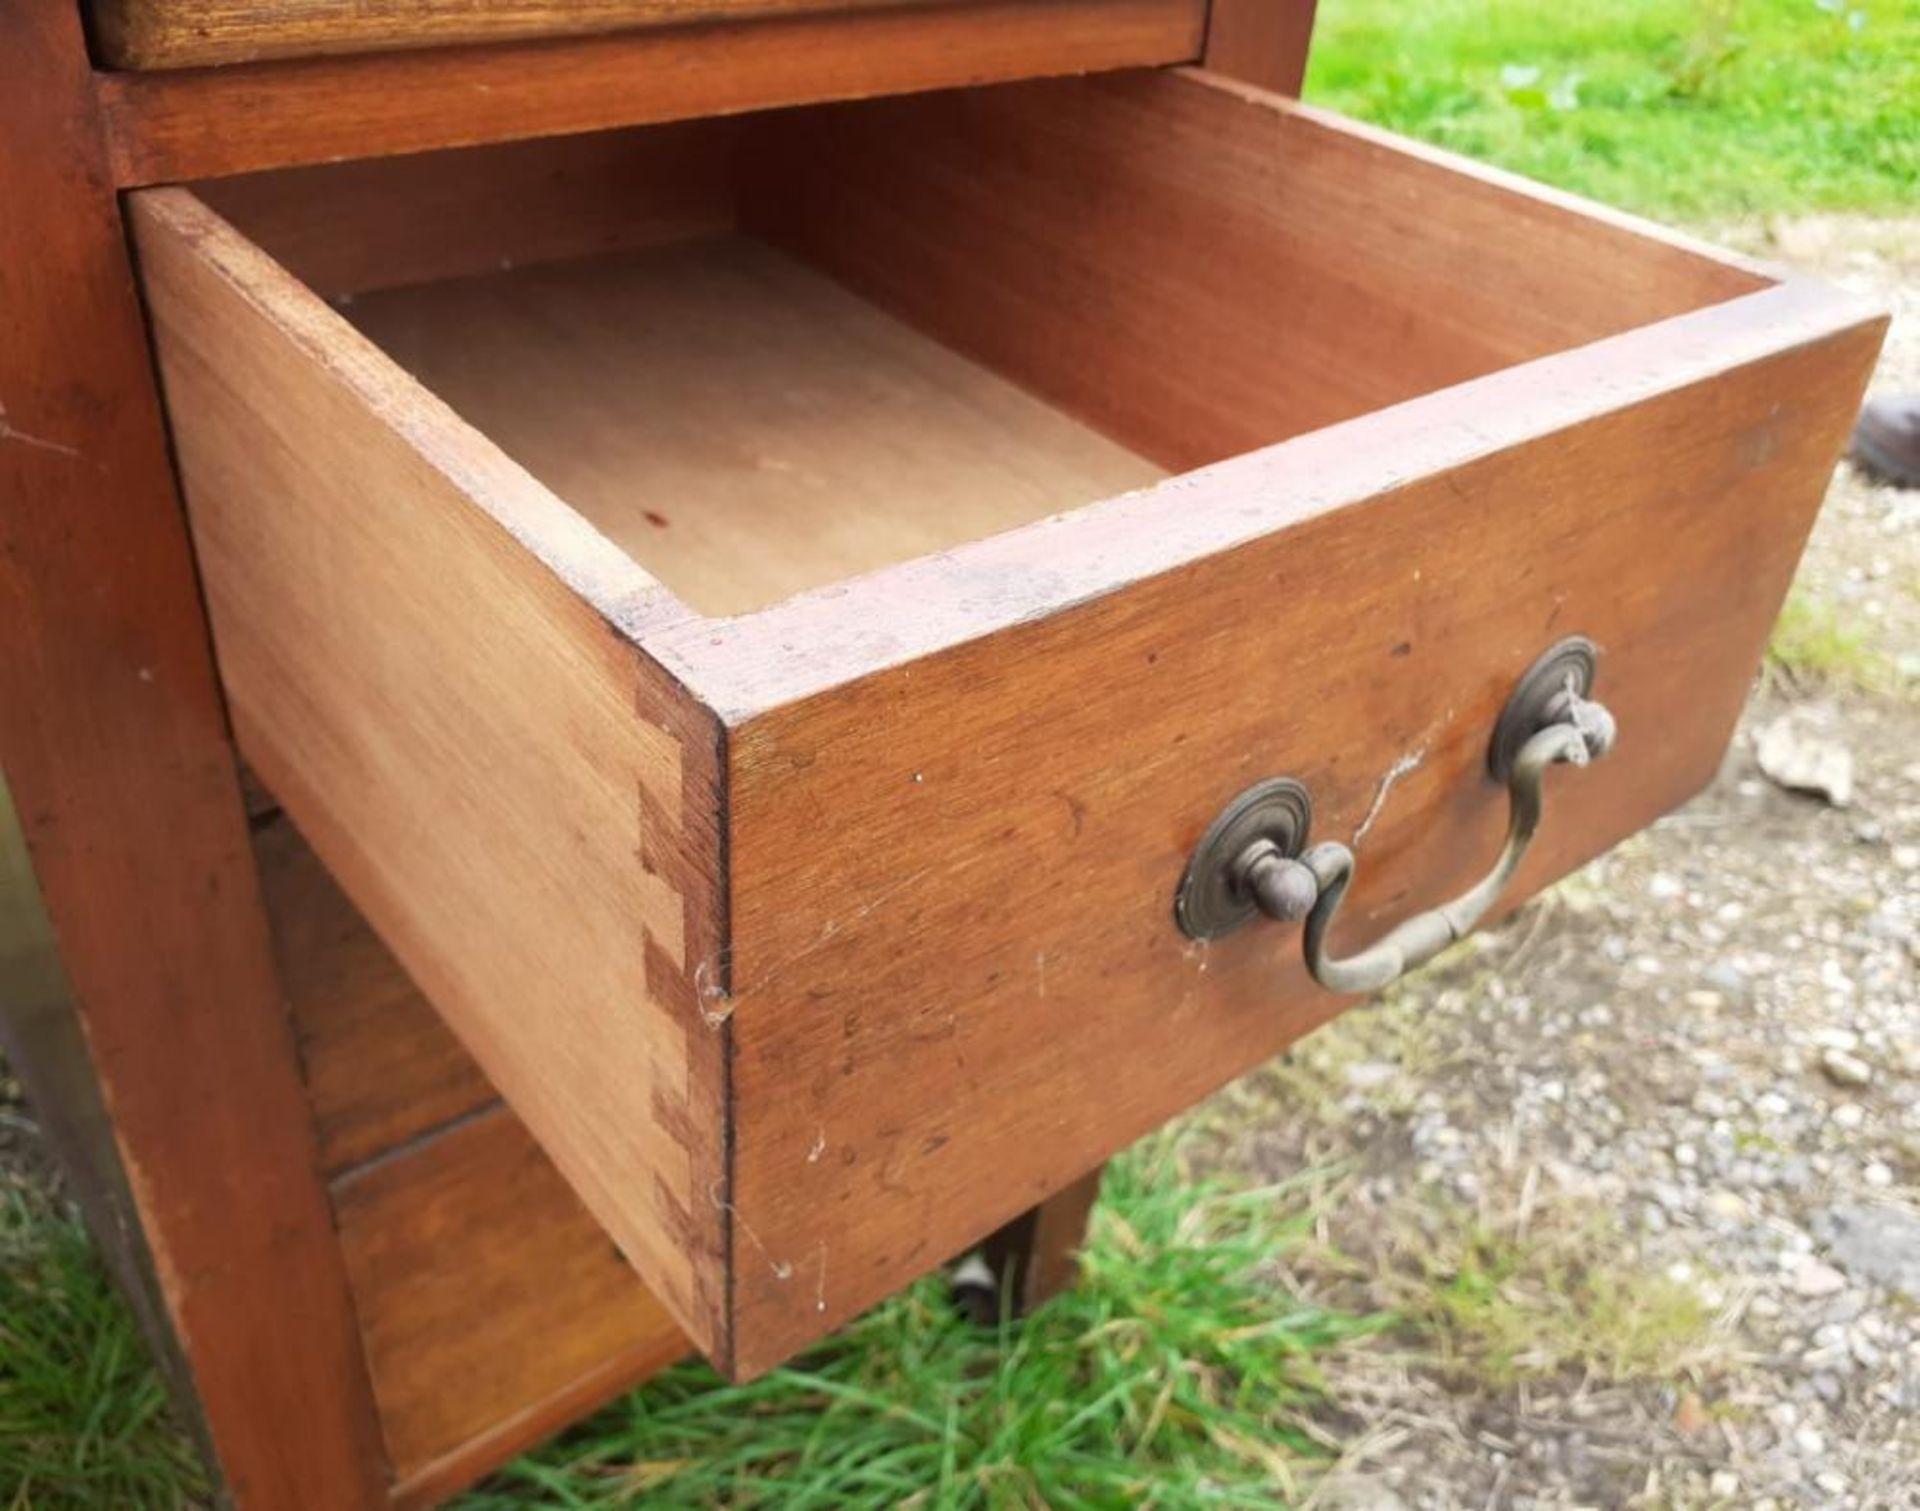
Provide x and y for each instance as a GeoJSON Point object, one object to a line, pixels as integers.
{"type": "Point", "coordinates": [789, 579]}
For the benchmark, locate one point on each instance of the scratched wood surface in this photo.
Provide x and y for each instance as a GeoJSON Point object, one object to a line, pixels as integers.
{"type": "Point", "coordinates": [1496, 395]}
{"type": "Point", "coordinates": [968, 986]}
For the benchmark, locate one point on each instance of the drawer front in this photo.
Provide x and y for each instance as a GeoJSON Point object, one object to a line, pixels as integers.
{"type": "Point", "coordinates": [814, 941]}
{"type": "Point", "coordinates": [957, 976]}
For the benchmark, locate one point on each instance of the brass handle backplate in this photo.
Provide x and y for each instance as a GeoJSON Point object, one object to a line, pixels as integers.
{"type": "Point", "coordinates": [1254, 859]}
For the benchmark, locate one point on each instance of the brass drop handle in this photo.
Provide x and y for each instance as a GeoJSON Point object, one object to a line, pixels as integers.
{"type": "Point", "coordinates": [1420, 938]}
{"type": "Point", "coordinates": [1254, 859]}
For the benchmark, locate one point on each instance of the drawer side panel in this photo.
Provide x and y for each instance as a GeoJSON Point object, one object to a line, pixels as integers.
{"type": "Point", "coordinates": [426, 658]}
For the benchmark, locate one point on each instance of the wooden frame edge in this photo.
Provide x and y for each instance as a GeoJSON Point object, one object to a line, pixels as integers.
{"type": "Point", "coordinates": [119, 758]}
{"type": "Point", "coordinates": [43, 1040]}
{"type": "Point", "coordinates": [501, 514]}
{"type": "Point", "coordinates": [137, 35]}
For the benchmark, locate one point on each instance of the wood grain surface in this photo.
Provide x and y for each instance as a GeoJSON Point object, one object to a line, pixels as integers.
{"type": "Point", "coordinates": [196, 33]}
{"type": "Point", "coordinates": [381, 1066]}
{"type": "Point", "coordinates": [206, 123]}
{"type": "Point", "coordinates": [1262, 42]}
{"type": "Point", "coordinates": [495, 1309]}
{"type": "Point", "coordinates": [427, 661]}
{"type": "Point", "coordinates": [744, 427]}
{"type": "Point", "coordinates": [375, 223]}
{"type": "Point", "coordinates": [117, 757]}
{"type": "Point", "coordinates": [1198, 270]}
{"type": "Point", "coordinates": [968, 986]}
{"type": "Point", "coordinates": [957, 792]}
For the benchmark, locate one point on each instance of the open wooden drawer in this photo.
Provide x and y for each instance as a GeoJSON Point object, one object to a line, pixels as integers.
{"type": "Point", "coordinates": [965, 497]}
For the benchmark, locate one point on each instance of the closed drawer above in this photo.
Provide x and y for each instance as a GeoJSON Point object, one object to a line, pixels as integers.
{"type": "Point", "coordinates": [759, 614]}
{"type": "Point", "coordinates": [159, 34]}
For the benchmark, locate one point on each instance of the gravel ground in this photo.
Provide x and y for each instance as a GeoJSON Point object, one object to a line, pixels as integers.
{"type": "Point", "coordinates": [1643, 1168]}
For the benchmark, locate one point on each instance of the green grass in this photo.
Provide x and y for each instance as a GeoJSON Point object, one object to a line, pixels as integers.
{"type": "Point", "coordinates": [1694, 108]}
{"type": "Point", "coordinates": [1814, 643]}
{"type": "Point", "coordinates": [83, 1414]}
{"type": "Point", "coordinates": [1180, 1372]}
{"type": "Point", "coordinates": [1501, 1306]}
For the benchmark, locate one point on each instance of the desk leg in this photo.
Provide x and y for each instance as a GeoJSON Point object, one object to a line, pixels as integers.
{"type": "Point", "coordinates": [167, 1063]}
{"type": "Point", "coordinates": [1037, 1255]}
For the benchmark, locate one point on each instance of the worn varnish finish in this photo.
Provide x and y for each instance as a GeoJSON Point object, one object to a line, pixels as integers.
{"type": "Point", "coordinates": [1032, 840]}
{"type": "Point", "coordinates": [1436, 413]}
{"type": "Point", "coordinates": [194, 33]}
{"type": "Point", "coordinates": [533, 822]}
{"type": "Point", "coordinates": [207, 123]}
{"type": "Point", "coordinates": [117, 758]}
{"type": "Point", "coordinates": [126, 781]}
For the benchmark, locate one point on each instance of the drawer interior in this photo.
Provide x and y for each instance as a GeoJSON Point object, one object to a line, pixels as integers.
{"type": "Point", "coordinates": [740, 423]}
{"type": "Point", "coordinates": [767, 354]}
